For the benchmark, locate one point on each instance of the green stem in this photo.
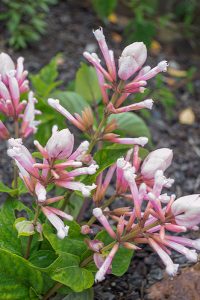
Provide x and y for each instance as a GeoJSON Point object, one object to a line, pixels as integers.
{"type": "Point", "coordinates": [28, 248]}
{"type": "Point", "coordinates": [97, 133]}
{"type": "Point", "coordinates": [52, 291]}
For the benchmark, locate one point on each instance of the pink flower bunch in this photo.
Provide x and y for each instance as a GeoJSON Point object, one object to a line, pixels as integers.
{"type": "Point", "coordinates": [60, 166]}
{"type": "Point", "coordinates": [154, 215]}
{"type": "Point", "coordinates": [130, 62]}
{"type": "Point", "coordinates": [13, 84]}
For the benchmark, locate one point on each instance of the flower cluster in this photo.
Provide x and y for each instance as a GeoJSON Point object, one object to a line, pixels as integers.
{"type": "Point", "coordinates": [60, 166]}
{"type": "Point", "coordinates": [154, 215]}
{"type": "Point", "coordinates": [131, 61]}
{"type": "Point", "coordinates": [13, 84]}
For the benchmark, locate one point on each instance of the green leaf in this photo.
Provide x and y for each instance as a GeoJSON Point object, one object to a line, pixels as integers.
{"type": "Point", "coordinates": [67, 271]}
{"type": "Point", "coordinates": [85, 295]}
{"type": "Point", "coordinates": [8, 234]}
{"type": "Point", "coordinates": [24, 227]}
{"type": "Point", "coordinates": [130, 124]}
{"type": "Point", "coordinates": [6, 189]}
{"type": "Point", "coordinates": [104, 8]}
{"type": "Point", "coordinates": [46, 80]}
{"type": "Point", "coordinates": [122, 258]}
{"type": "Point", "coordinates": [73, 243]}
{"type": "Point", "coordinates": [71, 101]}
{"type": "Point", "coordinates": [42, 258]}
{"type": "Point", "coordinates": [86, 84]}
{"type": "Point", "coordinates": [17, 276]}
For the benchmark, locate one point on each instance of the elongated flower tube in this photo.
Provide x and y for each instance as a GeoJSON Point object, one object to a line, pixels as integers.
{"type": "Point", "coordinates": [171, 268]}
{"type": "Point", "coordinates": [4, 133]}
{"type": "Point", "coordinates": [100, 275]}
{"type": "Point", "coordinates": [29, 124]}
{"type": "Point", "coordinates": [62, 229]}
{"type": "Point", "coordinates": [186, 210]}
{"type": "Point", "coordinates": [114, 138]}
{"type": "Point", "coordinates": [97, 212]}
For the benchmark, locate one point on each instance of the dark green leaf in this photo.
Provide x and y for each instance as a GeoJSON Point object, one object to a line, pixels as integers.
{"type": "Point", "coordinates": [66, 270]}
{"type": "Point", "coordinates": [73, 243]}
{"type": "Point", "coordinates": [17, 276]}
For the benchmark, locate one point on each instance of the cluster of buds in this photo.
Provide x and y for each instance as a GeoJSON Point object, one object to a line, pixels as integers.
{"type": "Point", "coordinates": [59, 166]}
{"type": "Point", "coordinates": [154, 215]}
{"type": "Point", "coordinates": [13, 84]}
{"type": "Point", "coordinates": [131, 61]}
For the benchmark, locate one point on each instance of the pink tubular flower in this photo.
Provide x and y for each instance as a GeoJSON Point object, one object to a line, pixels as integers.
{"type": "Point", "coordinates": [97, 212]}
{"type": "Point", "coordinates": [114, 138]}
{"type": "Point", "coordinates": [171, 268]}
{"type": "Point", "coordinates": [159, 159]}
{"type": "Point", "coordinates": [100, 275]}
{"type": "Point", "coordinates": [56, 105]}
{"type": "Point", "coordinates": [29, 124]}
{"type": "Point", "coordinates": [62, 229]}
{"type": "Point", "coordinates": [4, 133]}
{"type": "Point", "coordinates": [186, 210]}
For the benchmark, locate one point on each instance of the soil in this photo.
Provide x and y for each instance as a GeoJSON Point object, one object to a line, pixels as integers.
{"type": "Point", "coordinates": [69, 31]}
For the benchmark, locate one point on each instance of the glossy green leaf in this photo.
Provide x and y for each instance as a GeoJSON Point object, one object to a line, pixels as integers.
{"type": "Point", "coordinates": [86, 84]}
{"type": "Point", "coordinates": [17, 276]}
{"type": "Point", "coordinates": [85, 295]}
{"type": "Point", "coordinates": [67, 271]}
{"type": "Point", "coordinates": [73, 243]}
{"type": "Point", "coordinates": [42, 258]}
{"type": "Point", "coordinates": [8, 234]}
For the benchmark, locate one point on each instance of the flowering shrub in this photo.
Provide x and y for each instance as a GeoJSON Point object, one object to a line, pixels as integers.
{"type": "Point", "coordinates": [52, 248]}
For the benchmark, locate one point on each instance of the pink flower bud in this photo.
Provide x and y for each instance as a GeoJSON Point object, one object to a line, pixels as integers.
{"type": "Point", "coordinates": [159, 159]}
{"type": "Point", "coordinates": [4, 133]}
{"type": "Point", "coordinates": [186, 210]}
{"type": "Point", "coordinates": [60, 144]}
{"type": "Point", "coordinates": [85, 229]}
{"type": "Point", "coordinates": [132, 59]}
{"type": "Point", "coordinates": [40, 192]}
{"type": "Point", "coordinates": [6, 64]}
{"type": "Point", "coordinates": [94, 245]}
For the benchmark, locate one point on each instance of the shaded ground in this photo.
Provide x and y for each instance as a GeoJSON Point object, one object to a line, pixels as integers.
{"type": "Point", "coordinates": [70, 32]}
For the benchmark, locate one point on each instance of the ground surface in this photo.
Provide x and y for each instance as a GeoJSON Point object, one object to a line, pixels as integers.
{"type": "Point", "coordinates": [70, 32]}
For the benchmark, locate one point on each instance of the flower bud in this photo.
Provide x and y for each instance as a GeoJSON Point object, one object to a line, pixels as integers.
{"type": "Point", "coordinates": [132, 59]}
{"type": "Point", "coordinates": [6, 64]}
{"type": "Point", "coordinates": [187, 210]}
{"type": "Point", "coordinates": [60, 144]}
{"type": "Point", "coordinates": [159, 159]}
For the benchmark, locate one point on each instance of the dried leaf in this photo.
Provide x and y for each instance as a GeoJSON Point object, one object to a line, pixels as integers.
{"type": "Point", "coordinates": [116, 37]}
{"type": "Point", "coordinates": [187, 116]}
{"type": "Point", "coordinates": [155, 47]}
{"type": "Point", "coordinates": [176, 73]}
{"type": "Point", "coordinates": [113, 18]}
